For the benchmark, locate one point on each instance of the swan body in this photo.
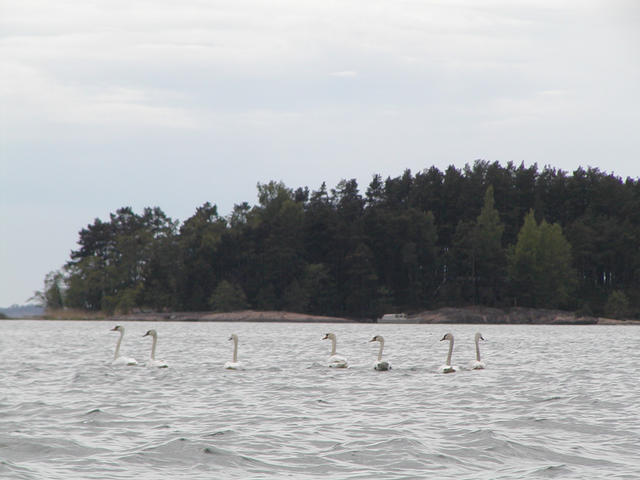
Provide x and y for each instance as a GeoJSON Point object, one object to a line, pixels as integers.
{"type": "Point", "coordinates": [117, 358]}
{"type": "Point", "coordinates": [447, 367]}
{"type": "Point", "coordinates": [152, 362]}
{"type": "Point", "coordinates": [380, 365]}
{"type": "Point", "coordinates": [234, 364]}
{"type": "Point", "coordinates": [335, 360]}
{"type": "Point", "coordinates": [126, 361]}
{"type": "Point", "coordinates": [478, 364]}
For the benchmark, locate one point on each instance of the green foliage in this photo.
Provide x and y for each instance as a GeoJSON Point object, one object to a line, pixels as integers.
{"type": "Point", "coordinates": [362, 279]}
{"type": "Point", "coordinates": [295, 298]}
{"type": "Point", "coordinates": [540, 265]}
{"type": "Point", "coordinates": [584, 311]}
{"type": "Point", "coordinates": [118, 263]}
{"type": "Point", "coordinates": [319, 287]}
{"type": "Point", "coordinates": [617, 305]}
{"type": "Point", "coordinates": [266, 298]}
{"type": "Point", "coordinates": [198, 245]}
{"type": "Point", "coordinates": [53, 295]}
{"type": "Point", "coordinates": [554, 261]}
{"type": "Point", "coordinates": [228, 298]}
{"type": "Point", "coordinates": [480, 259]}
{"type": "Point", "coordinates": [458, 236]}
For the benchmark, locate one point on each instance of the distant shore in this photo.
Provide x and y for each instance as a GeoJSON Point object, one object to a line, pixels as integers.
{"type": "Point", "coordinates": [511, 316]}
{"type": "Point", "coordinates": [448, 315]}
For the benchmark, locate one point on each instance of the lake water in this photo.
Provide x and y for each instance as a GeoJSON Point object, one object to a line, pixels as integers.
{"type": "Point", "coordinates": [553, 402]}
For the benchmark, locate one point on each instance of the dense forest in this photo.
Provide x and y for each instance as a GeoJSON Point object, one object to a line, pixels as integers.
{"type": "Point", "coordinates": [486, 234]}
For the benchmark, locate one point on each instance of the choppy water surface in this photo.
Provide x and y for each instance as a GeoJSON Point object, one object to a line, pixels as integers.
{"type": "Point", "coordinates": [553, 402]}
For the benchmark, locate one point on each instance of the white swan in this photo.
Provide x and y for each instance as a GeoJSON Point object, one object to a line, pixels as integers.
{"type": "Point", "coordinates": [478, 364]}
{"type": "Point", "coordinates": [335, 360]}
{"type": "Point", "coordinates": [235, 364]}
{"type": "Point", "coordinates": [380, 364]}
{"type": "Point", "coordinates": [117, 358]}
{"type": "Point", "coordinates": [448, 368]}
{"type": "Point", "coordinates": [152, 362]}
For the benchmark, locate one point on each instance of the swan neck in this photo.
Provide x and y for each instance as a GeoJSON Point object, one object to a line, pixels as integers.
{"type": "Point", "coordinates": [235, 350]}
{"type": "Point", "coordinates": [115, 355]}
{"type": "Point", "coordinates": [380, 351]}
{"type": "Point", "coordinates": [450, 352]}
{"type": "Point", "coordinates": [477, 349]}
{"type": "Point", "coordinates": [153, 347]}
{"type": "Point", "coordinates": [333, 346]}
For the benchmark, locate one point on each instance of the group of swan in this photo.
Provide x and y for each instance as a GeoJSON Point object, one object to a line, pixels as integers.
{"type": "Point", "coordinates": [476, 365]}
{"type": "Point", "coordinates": [152, 362]}
{"type": "Point", "coordinates": [122, 360]}
{"type": "Point", "coordinates": [338, 361]}
{"type": "Point", "coordinates": [335, 360]}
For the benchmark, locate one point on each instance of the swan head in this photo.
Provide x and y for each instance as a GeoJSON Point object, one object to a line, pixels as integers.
{"type": "Point", "coordinates": [447, 336]}
{"type": "Point", "coordinates": [151, 333]}
{"type": "Point", "coordinates": [233, 337]}
{"type": "Point", "coordinates": [118, 328]}
{"type": "Point", "coordinates": [377, 338]}
{"type": "Point", "coordinates": [329, 336]}
{"type": "Point", "coordinates": [479, 336]}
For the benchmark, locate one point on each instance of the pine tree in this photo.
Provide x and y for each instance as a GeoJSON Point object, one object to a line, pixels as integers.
{"type": "Point", "coordinates": [540, 265]}
{"type": "Point", "coordinates": [489, 258]}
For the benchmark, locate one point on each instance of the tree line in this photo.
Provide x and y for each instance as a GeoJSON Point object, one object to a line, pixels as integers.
{"type": "Point", "coordinates": [485, 234]}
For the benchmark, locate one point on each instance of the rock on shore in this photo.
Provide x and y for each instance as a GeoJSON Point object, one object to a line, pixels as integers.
{"type": "Point", "coordinates": [514, 315]}
{"type": "Point", "coordinates": [240, 316]}
{"type": "Point", "coordinates": [473, 314]}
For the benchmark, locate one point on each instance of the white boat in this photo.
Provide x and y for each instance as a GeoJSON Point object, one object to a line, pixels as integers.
{"type": "Point", "coordinates": [394, 318]}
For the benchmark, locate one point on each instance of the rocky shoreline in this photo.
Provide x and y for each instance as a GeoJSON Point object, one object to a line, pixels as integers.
{"type": "Point", "coordinates": [475, 315]}
{"type": "Point", "coordinates": [240, 316]}
{"type": "Point", "coordinates": [453, 315]}
{"type": "Point", "coordinates": [515, 316]}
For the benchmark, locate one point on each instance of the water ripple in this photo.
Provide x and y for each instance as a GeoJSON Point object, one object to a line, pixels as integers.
{"type": "Point", "coordinates": [548, 405]}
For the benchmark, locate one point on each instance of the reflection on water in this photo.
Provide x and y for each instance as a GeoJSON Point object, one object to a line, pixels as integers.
{"type": "Point", "coordinates": [553, 402]}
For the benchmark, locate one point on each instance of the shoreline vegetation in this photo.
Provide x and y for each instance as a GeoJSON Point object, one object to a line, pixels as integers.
{"type": "Point", "coordinates": [445, 315]}
{"type": "Point", "coordinates": [487, 235]}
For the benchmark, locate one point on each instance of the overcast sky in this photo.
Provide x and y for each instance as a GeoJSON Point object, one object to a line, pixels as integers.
{"type": "Point", "coordinates": [111, 103]}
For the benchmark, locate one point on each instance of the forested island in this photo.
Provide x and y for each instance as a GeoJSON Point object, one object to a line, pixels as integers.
{"type": "Point", "coordinates": [485, 235]}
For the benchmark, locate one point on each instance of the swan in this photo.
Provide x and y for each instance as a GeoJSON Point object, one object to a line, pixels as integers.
{"type": "Point", "coordinates": [117, 359]}
{"type": "Point", "coordinates": [448, 368]}
{"type": "Point", "coordinates": [152, 362]}
{"type": "Point", "coordinates": [380, 365]}
{"type": "Point", "coordinates": [478, 364]}
{"type": "Point", "coordinates": [335, 360]}
{"type": "Point", "coordinates": [235, 364]}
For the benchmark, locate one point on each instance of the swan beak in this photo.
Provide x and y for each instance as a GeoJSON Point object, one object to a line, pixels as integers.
{"type": "Point", "coordinates": [482, 338]}
{"type": "Point", "coordinates": [443, 338]}
{"type": "Point", "coordinates": [230, 338]}
{"type": "Point", "coordinates": [114, 329]}
{"type": "Point", "coordinates": [146, 334]}
{"type": "Point", "coordinates": [325, 336]}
